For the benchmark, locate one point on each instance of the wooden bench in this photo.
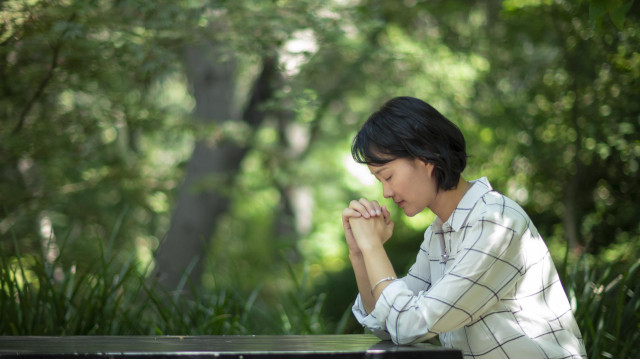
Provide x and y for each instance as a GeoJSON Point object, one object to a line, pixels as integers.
{"type": "Point", "coordinates": [259, 346]}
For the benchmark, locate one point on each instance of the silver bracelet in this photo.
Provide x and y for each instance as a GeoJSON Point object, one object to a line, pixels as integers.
{"type": "Point", "coordinates": [390, 278]}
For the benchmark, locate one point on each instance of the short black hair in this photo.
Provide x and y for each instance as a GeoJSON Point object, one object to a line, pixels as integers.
{"type": "Point", "coordinates": [406, 127]}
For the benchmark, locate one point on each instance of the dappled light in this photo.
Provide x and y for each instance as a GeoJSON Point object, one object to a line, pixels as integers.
{"type": "Point", "coordinates": [160, 149]}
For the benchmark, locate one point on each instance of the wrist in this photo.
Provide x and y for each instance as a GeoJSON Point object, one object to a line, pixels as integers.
{"type": "Point", "coordinates": [371, 247]}
{"type": "Point", "coordinates": [355, 255]}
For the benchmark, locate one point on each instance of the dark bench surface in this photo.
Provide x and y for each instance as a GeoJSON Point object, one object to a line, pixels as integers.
{"type": "Point", "coordinates": [259, 346]}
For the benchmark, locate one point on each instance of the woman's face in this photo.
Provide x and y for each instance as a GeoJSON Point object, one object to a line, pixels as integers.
{"type": "Point", "coordinates": [410, 183]}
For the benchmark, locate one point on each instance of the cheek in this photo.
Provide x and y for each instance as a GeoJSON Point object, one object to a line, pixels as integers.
{"type": "Point", "coordinates": [422, 189]}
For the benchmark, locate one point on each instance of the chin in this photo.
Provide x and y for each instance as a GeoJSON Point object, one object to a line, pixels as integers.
{"type": "Point", "coordinates": [410, 213]}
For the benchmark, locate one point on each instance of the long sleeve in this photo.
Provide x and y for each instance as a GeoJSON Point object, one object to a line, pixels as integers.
{"type": "Point", "coordinates": [486, 269]}
{"type": "Point", "coordinates": [417, 279]}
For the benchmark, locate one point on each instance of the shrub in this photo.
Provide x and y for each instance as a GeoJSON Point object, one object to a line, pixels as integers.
{"type": "Point", "coordinates": [606, 301]}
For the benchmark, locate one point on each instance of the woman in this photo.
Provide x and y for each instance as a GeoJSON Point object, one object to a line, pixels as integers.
{"type": "Point", "coordinates": [483, 279]}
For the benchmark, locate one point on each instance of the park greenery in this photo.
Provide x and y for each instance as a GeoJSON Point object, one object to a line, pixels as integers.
{"type": "Point", "coordinates": [179, 167]}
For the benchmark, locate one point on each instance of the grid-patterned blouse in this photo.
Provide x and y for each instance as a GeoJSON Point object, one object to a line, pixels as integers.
{"type": "Point", "coordinates": [493, 291]}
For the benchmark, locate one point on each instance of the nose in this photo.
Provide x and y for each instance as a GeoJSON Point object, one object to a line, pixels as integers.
{"type": "Point", "coordinates": [387, 192]}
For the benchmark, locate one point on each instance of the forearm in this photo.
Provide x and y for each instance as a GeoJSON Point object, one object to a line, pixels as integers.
{"type": "Point", "coordinates": [362, 278]}
{"type": "Point", "coordinates": [378, 267]}
{"type": "Point", "coordinates": [371, 265]}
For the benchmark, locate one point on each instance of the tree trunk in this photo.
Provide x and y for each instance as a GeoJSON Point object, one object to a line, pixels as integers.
{"type": "Point", "coordinates": [201, 198]}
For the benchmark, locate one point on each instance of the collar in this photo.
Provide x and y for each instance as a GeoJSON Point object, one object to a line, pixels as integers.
{"type": "Point", "coordinates": [471, 197]}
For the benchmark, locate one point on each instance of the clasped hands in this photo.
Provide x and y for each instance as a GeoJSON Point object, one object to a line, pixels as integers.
{"type": "Point", "coordinates": [366, 225]}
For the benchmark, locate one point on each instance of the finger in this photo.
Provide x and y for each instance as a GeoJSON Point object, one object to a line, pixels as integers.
{"type": "Point", "coordinates": [346, 215]}
{"type": "Point", "coordinates": [349, 213]}
{"type": "Point", "coordinates": [386, 214]}
{"type": "Point", "coordinates": [376, 207]}
{"type": "Point", "coordinates": [359, 207]}
{"type": "Point", "coordinates": [370, 206]}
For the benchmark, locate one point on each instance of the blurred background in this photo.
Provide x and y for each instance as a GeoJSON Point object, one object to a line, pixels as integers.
{"type": "Point", "coordinates": [180, 167]}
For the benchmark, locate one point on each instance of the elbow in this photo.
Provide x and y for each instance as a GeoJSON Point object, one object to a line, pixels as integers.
{"type": "Point", "coordinates": [409, 339]}
{"type": "Point", "coordinates": [409, 329]}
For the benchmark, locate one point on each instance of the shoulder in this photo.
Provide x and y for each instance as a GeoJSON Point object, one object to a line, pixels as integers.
{"type": "Point", "coordinates": [500, 210]}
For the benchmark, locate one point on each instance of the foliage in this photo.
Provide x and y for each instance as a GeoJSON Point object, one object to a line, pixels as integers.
{"type": "Point", "coordinates": [566, 97]}
{"type": "Point", "coordinates": [617, 11]}
{"type": "Point", "coordinates": [96, 130]}
{"type": "Point", "coordinates": [606, 299]}
{"type": "Point", "coordinates": [38, 297]}
{"type": "Point", "coordinates": [88, 90]}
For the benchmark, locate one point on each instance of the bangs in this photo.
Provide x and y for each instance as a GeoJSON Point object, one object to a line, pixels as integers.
{"type": "Point", "coordinates": [367, 151]}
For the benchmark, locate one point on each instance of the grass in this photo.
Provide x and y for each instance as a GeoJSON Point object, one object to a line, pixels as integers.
{"type": "Point", "coordinates": [606, 302]}
{"type": "Point", "coordinates": [41, 298]}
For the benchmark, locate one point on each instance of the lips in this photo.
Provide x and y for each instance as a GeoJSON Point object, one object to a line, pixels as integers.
{"type": "Point", "coordinates": [400, 203]}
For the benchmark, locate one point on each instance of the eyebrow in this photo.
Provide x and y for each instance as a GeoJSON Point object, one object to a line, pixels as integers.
{"type": "Point", "coordinates": [379, 170]}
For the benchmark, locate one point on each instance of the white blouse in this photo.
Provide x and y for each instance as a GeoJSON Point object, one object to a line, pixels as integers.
{"type": "Point", "coordinates": [492, 291]}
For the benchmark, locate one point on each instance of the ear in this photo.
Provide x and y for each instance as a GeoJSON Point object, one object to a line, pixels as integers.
{"type": "Point", "coordinates": [429, 167]}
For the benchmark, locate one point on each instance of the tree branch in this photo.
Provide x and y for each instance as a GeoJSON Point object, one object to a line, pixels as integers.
{"type": "Point", "coordinates": [43, 84]}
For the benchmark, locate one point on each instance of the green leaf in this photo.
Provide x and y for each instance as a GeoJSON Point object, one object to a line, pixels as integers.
{"type": "Point", "coordinates": [597, 8]}
{"type": "Point", "coordinates": [619, 13]}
